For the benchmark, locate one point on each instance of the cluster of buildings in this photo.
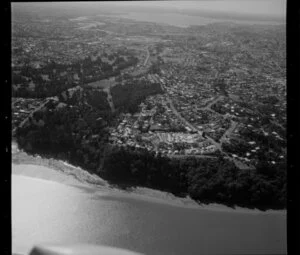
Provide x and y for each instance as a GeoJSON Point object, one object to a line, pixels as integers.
{"type": "Point", "coordinates": [156, 128]}
{"type": "Point", "coordinates": [192, 106]}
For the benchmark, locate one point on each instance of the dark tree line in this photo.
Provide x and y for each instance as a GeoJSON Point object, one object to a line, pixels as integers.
{"type": "Point", "coordinates": [127, 98]}
{"type": "Point", "coordinates": [88, 70]}
{"type": "Point", "coordinates": [205, 180]}
{"type": "Point", "coordinates": [78, 133]}
{"type": "Point", "coordinates": [73, 134]}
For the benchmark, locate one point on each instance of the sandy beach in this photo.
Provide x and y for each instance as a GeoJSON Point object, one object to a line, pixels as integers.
{"type": "Point", "coordinates": [50, 206]}
{"type": "Point", "coordinates": [57, 202]}
{"type": "Point", "coordinates": [81, 178]}
{"type": "Point", "coordinates": [65, 173]}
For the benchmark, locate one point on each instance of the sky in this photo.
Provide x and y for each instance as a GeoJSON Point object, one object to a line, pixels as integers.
{"type": "Point", "coordinates": [260, 7]}
{"type": "Point", "coordinates": [263, 8]}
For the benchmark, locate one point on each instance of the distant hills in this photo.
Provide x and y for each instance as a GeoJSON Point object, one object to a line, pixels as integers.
{"type": "Point", "coordinates": [64, 9]}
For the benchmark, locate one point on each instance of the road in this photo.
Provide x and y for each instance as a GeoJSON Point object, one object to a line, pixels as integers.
{"type": "Point", "coordinates": [194, 156]}
{"type": "Point", "coordinates": [109, 99]}
{"type": "Point", "coordinates": [179, 115]}
{"type": "Point", "coordinates": [277, 124]}
{"type": "Point", "coordinates": [228, 131]}
{"type": "Point", "coordinates": [147, 58]}
{"type": "Point", "coordinates": [30, 115]}
{"type": "Point", "coordinates": [218, 145]}
{"type": "Point", "coordinates": [208, 107]}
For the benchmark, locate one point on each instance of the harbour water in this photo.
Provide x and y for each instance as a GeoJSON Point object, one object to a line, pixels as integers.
{"type": "Point", "coordinates": [49, 211]}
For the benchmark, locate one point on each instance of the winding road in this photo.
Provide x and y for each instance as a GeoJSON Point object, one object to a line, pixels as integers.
{"type": "Point", "coordinates": [179, 115]}
{"type": "Point", "coordinates": [109, 99]}
{"type": "Point", "coordinates": [147, 58]}
{"type": "Point", "coordinates": [227, 133]}
{"type": "Point", "coordinates": [31, 114]}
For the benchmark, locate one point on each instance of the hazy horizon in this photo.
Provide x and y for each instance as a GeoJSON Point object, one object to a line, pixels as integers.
{"type": "Point", "coordinates": [270, 7]}
{"type": "Point", "coordinates": [264, 8]}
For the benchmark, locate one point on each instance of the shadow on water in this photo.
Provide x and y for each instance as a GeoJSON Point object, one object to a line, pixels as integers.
{"type": "Point", "coordinates": [135, 201]}
{"type": "Point", "coordinates": [96, 188]}
{"type": "Point", "coordinates": [207, 202]}
{"type": "Point", "coordinates": [124, 186]}
{"type": "Point", "coordinates": [97, 195]}
{"type": "Point", "coordinates": [86, 189]}
{"type": "Point", "coordinates": [128, 189]}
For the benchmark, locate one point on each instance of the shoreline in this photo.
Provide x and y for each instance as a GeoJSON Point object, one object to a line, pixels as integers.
{"type": "Point", "coordinates": [67, 174]}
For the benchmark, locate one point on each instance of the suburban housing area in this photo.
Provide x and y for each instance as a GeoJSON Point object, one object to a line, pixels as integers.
{"type": "Point", "coordinates": [196, 111]}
